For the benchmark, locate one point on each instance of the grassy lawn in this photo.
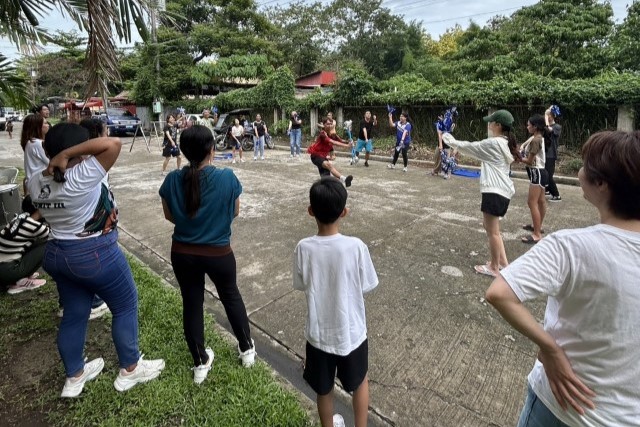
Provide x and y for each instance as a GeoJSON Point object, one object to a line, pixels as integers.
{"type": "Point", "coordinates": [32, 376]}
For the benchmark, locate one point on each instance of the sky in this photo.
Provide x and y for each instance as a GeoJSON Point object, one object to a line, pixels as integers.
{"type": "Point", "coordinates": [436, 15]}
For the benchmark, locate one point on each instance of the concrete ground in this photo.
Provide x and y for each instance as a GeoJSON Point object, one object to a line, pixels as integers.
{"type": "Point", "coordinates": [439, 354]}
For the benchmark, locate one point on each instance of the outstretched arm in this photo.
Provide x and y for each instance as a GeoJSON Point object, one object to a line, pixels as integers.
{"type": "Point", "coordinates": [391, 120]}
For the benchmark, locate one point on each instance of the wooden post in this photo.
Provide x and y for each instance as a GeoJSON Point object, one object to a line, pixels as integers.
{"type": "Point", "coordinates": [313, 121]}
{"type": "Point", "coordinates": [339, 117]}
{"type": "Point", "coordinates": [275, 116]}
{"type": "Point", "coordinates": [626, 118]}
{"type": "Point", "coordinates": [490, 112]}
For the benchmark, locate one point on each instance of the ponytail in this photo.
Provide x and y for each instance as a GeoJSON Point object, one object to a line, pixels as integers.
{"type": "Point", "coordinates": [511, 142]}
{"type": "Point", "coordinates": [191, 185]}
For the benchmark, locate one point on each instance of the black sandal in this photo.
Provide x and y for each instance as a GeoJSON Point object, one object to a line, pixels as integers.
{"type": "Point", "coordinates": [529, 227]}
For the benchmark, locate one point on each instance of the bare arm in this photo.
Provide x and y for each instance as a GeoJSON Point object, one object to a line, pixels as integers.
{"type": "Point", "coordinates": [105, 150]}
{"type": "Point", "coordinates": [440, 146]}
{"type": "Point", "coordinates": [391, 124]}
{"type": "Point", "coordinates": [168, 134]}
{"type": "Point", "coordinates": [236, 209]}
{"type": "Point", "coordinates": [290, 124]}
{"type": "Point", "coordinates": [565, 385]}
{"type": "Point", "coordinates": [167, 212]}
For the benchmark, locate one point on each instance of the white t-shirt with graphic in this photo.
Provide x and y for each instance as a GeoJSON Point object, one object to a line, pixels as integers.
{"type": "Point", "coordinates": [592, 279]}
{"type": "Point", "coordinates": [334, 272]}
{"type": "Point", "coordinates": [79, 208]}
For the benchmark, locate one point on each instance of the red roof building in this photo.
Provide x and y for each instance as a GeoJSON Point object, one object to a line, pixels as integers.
{"type": "Point", "coordinates": [316, 79]}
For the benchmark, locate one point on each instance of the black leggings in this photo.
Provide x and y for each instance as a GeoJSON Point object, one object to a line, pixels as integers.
{"type": "Point", "coordinates": [405, 159]}
{"type": "Point", "coordinates": [190, 271]}
{"type": "Point", "coordinates": [550, 166]}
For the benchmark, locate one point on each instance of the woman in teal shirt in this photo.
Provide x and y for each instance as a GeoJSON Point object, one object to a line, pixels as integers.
{"type": "Point", "coordinates": [202, 201]}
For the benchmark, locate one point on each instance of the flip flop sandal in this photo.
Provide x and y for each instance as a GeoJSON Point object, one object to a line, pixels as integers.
{"type": "Point", "coordinates": [529, 240]}
{"type": "Point", "coordinates": [529, 227]}
{"type": "Point", "coordinates": [484, 270]}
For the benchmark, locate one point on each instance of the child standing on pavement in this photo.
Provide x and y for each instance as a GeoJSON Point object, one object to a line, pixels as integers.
{"type": "Point", "coordinates": [334, 271]}
{"type": "Point", "coordinates": [322, 154]}
{"type": "Point", "coordinates": [496, 154]}
{"type": "Point", "coordinates": [170, 144]}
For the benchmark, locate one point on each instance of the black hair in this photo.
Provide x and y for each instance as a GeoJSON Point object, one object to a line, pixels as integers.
{"type": "Point", "coordinates": [327, 197]}
{"type": "Point", "coordinates": [537, 121]}
{"type": "Point", "coordinates": [59, 138]}
{"type": "Point", "coordinates": [38, 108]}
{"type": "Point", "coordinates": [94, 126]}
{"type": "Point", "coordinates": [196, 144]}
{"type": "Point", "coordinates": [511, 141]}
{"type": "Point", "coordinates": [31, 128]}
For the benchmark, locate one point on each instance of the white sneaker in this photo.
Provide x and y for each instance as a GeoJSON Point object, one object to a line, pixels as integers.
{"type": "Point", "coordinates": [233, 161]}
{"type": "Point", "coordinates": [248, 357]}
{"type": "Point", "coordinates": [99, 311]}
{"type": "Point", "coordinates": [404, 169]}
{"type": "Point", "coordinates": [73, 386]}
{"type": "Point", "coordinates": [241, 160]}
{"type": "Point", "coordinates": [338, 421]}
{"type": "Point", "coordinates": [255, 158]}
{"type": "Point", "coordinates": [146, 370]}
{"type": "Point", "coordinates": [262, 158]}
{"type": "Point", "coordinates": [25, 284]}
{"type": "Point", "coordinates": [356, 159]}
{"type": "Point", "coordinates": [200, 372]}
{"type": "Point", "coordinates": [391, 166]}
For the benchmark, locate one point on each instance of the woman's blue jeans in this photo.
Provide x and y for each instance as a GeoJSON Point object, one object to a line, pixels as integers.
{"type": "Point", "coordinates": [295, 137]}
{"type": "Point", "coordinates": [82, 268]}
{"type": "Point", "coordinates": [258, 146]}
{"type": "Point", "coordinates": [535, 414]}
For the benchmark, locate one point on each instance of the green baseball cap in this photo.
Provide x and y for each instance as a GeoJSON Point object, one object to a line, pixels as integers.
{"type": "Point", "coordinates": [501, 116]}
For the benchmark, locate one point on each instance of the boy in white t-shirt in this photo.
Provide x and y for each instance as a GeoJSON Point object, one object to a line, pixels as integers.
{"type": "Point", "coordinates": [335, 272]}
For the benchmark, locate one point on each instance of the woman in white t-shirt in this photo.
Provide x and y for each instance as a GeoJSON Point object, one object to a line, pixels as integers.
{"type": "Point", "coordinates": [533, 155]}
{"type": "Point", "coordinates": [237, 130]}
{"type": "Point", "coordinates": [34, 129]}
{"type": "Point", "coordinates": [83, 256]}
{"type": "Point", "coordinates": [587, 371]}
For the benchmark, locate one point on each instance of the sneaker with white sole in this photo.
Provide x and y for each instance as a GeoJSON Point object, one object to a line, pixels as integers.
{"type": "Point", "coordinates": [262, 158]}
{"type": "Point", "coordinates": [73, 386]}
{"type": "Point", "coordinates": [146, 370]}
{"type": "Point", "coordinates": [25, 284]}
{"type": "Point", "coordinates": [555, 199]}
{"type": "Point", "coordinates": [338, 421]}
{"type": "Point", "coordinates": [200, 372]}
{"type": "Point", "coordinates": [404, 169]}
{"type": "Point", "coordinates": [356, 159]}
{"type": "Point", "coordinates": [99, 311]}
{"type": "Point", "coordinates": [255, 158]}
{"type": "Point", "coordinates": [241, 160]}
{"type": "Point", "coordinates": [248, 357]}
{"type": "Point", "coordinates": [391, 166]}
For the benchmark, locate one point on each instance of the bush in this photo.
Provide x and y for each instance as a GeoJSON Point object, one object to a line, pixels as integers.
{"type": "Point", "coordinates": [572, 166]}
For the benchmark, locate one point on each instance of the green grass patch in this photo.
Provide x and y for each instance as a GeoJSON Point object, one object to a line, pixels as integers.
{"type": "Point", "coordinates": [230, 396]}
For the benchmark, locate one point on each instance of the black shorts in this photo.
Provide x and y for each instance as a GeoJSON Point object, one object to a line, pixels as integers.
{"type": "Point", "coordinates": [494, 204]}
{"type": "Point", "coordinates": [539, 177]}
{"type": "Point", "coordinates": [318, 161]}
{"type": "Point", "coordinates": [168, 151]}
{"type": "Point", "coordinates": [320, 368]}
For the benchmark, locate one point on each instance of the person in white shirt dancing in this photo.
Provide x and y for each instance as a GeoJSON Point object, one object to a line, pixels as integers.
{"type": "Point", "coordinates": [587, 371]}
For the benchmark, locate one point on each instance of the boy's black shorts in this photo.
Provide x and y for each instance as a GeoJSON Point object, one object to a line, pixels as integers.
{"type": "Point", "coordinates": [320, 368]}
{"type": "Point", "coordinates": [318, 161]}
{"type": "Point", "coordinates": [494, 204]}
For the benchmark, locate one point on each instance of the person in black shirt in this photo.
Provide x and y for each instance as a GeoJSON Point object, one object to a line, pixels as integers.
{"type": "Point", "coordinates": [551, 137]}
{"type": "Point", "coordinates": [365, 137]}
{"type": "Point", "coordinates": [170, 144]}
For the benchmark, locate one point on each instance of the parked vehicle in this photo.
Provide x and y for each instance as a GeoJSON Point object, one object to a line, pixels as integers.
{"type": "Point", "coordinates": [120, 121]}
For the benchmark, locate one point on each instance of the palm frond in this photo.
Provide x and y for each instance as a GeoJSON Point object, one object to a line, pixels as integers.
{"type": "Point", "coordinates": [13, 88]}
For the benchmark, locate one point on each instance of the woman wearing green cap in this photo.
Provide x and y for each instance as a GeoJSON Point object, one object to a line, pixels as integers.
{"type": "Point", "coordinates": [496, 154]}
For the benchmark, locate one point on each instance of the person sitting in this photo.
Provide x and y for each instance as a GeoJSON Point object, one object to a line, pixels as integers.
{"type": "Point", "coordinates": [22, 244]}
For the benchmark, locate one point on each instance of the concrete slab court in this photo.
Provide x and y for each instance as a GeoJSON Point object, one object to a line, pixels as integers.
{"type": "Point", "coordinates": [439, 355]}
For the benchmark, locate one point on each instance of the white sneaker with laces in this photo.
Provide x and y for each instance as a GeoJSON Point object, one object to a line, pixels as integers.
{"type": "Point", "coordinates": [25, 284]}
{"type": "Point", "coordinates": [391, 166]}
{"type": "Point", "coordinates": [255, 158]}
{"type": "Point", "coordinates": [200, 372]}
{"type": "Point", "coordinates": [338, 421]}
{"type": "Point", "coordinates": [262, 158]}
{"type": "Point", "coordinates": [146, 370]}
{"type": "Point", "coordinates": [248, 357]}
{"type": "Point", "coordinates": [99, 311]}
{"type": "Point", "coordinates": [73, 386]}
{"type": "Point", "coordinates": [404, 169]}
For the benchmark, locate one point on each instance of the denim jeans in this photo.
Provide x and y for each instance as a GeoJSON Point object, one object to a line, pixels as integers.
{"type": "Point", "coordinates": [82, 268]}
{"type": "Point", "coordinates": [295, 137]}
{"type": "Point", "coordinates": [258, 146]}
{"type": "Point", "coordinates": [535, 414]}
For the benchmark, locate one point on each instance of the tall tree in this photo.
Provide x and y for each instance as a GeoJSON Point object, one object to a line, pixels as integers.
{"type": "Point", "coordinates": [625, 42]}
